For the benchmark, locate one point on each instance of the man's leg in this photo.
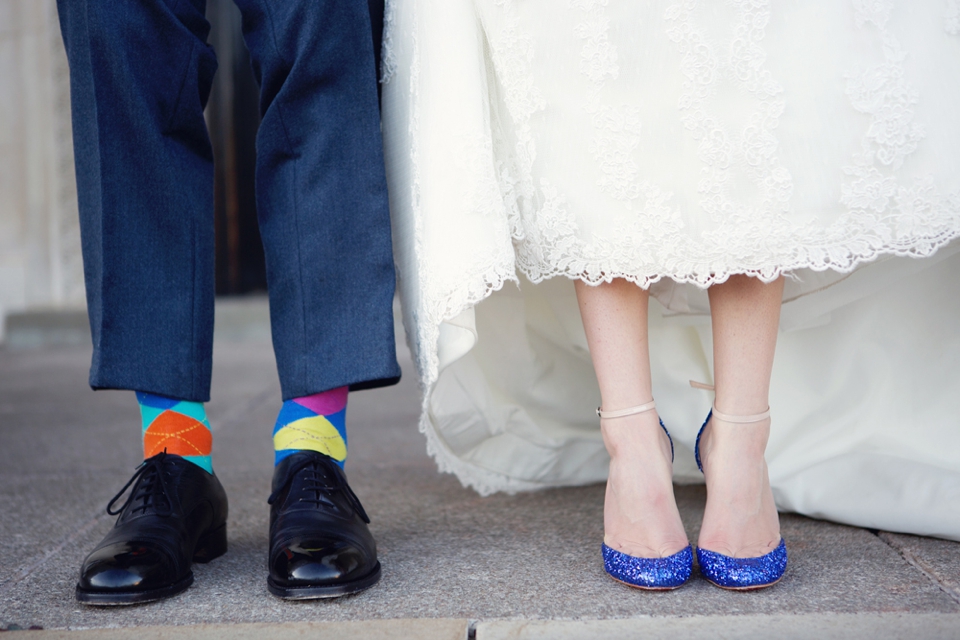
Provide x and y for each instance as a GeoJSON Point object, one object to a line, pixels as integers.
{"type": "Point", "coordinates": [140, 73]}
{"type": "Point", "coordinates": [322, 201]}
{"type": "Point", "coordinates": [321, 194]}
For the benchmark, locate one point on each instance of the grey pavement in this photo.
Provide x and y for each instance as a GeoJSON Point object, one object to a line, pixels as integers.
{"type": "Point", "coordinates": [455, 564]}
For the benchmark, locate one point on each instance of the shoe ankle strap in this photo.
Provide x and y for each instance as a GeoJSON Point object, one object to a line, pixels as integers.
{"type": "Point", "coordinates": [629, 411]}
{"type": "Point", "coordinates": [726, 417]}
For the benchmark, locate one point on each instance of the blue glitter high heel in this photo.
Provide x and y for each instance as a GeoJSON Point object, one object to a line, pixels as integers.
{"type": "Point", "coordinates": [652, 574]}
{"type": "Point", "coordinates": [726, 572]}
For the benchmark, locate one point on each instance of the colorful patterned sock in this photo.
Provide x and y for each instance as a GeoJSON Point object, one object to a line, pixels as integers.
{"type": "Point", "coordinates": [176, 426]}
{"type": "Point", "coordinates": [314, 423]}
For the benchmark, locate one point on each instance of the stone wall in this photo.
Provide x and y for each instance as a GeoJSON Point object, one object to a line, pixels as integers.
{"type": "Point", "coordinates": [40, 263]}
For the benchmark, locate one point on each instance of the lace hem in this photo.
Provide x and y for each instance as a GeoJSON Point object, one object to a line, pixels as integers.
{"type": "Point", "coordinates": [596, 273]}
{"type": "Point", "coordinates": [481, 286]}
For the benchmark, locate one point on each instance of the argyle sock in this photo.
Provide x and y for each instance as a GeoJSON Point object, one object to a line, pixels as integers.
{"type": "Point", "coordinates": [175, 426]}
{"type": "Point", "coordinates": [314, 423]}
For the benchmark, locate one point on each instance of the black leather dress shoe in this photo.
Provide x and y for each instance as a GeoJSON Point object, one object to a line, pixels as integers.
{"type": "Point", "coordinates": [176, 514]}
{"type": "Point", "coordinates": [320, 546]}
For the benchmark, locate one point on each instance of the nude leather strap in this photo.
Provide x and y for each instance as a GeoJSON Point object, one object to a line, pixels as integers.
{"type": "Point", "coordinates": [726, 417]}
{"type": "Point", "coordinates": [622, 413]}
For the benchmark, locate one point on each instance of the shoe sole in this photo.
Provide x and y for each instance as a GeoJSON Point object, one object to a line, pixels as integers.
{"type": "Point", "coordinates": [754, 587]}
{"type": "Point", "coordinates": [642, 588]}
{"type": "Point", "coordinates": [125, 598]}
{"type": "Point", "coordinates": [211, 546]}
{"type": "Point", "coordinates": [319, 592]}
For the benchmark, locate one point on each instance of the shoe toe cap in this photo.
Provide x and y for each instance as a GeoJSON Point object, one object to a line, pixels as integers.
{"type": "Point", "coordinates": [320, 562]}
{"type": "Point", "coordinates": [127, 567]}
{"type": "Point", "coordinates": [743, 573]}
{"type": "Point", "coordinates": [649, 573]}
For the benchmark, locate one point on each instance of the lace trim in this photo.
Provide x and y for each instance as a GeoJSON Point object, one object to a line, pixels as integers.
{"type": "Point", "coordinates": [952, 17]}
{"type": "Point", "coordinates": [477, 288]}
{"type": "Point", "coordinates": [449, 302]}
{"type": "Point", "coordinates": [754, 149]}
{"type": "Point", "coordinates": [617, 129]}
{"type": "Point", "coordinates": [883, 92]}
{"type": "Point", "coordinates": [388, 56]}
{"type": "Point", "coordinates": [700, 67]}
{"type": "Point", "coordinates": [598, 56]}
{"type": "Point", "coordinates": [512, 52]}
{"type": "Point", "coordinates": [875, 11]}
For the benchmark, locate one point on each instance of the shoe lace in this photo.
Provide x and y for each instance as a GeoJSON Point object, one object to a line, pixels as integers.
{"type": "Point", "coordinates": [151, 491]}
{"type": "Point", "coordinates": [319, 485]}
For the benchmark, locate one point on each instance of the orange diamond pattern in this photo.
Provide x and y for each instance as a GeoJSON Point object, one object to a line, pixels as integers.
{"type": "Point", "coordinates": [177, 434]}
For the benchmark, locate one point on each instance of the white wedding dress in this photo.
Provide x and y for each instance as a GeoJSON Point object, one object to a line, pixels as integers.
{"type": "Point", "coordinates": [674, 143]}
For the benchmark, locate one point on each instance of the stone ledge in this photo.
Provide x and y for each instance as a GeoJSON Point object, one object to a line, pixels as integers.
{"type": "Point", "coordinates": [873, 626]}
{"type": "Point", "coordinates": [402, 629]}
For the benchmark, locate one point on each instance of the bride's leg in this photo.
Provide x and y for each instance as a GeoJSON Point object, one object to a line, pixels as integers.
{"type": "Point", "coordinates": [741, 519]}
{"type": "Point", "coordinates": [640, 515]}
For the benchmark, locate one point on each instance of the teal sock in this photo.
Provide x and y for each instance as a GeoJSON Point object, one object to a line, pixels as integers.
{"type": "Point", "coordinates": [176, 426]}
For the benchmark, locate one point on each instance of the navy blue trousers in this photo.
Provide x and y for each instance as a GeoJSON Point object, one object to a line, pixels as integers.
{"type": "Point", "coordinates": [140, 75]}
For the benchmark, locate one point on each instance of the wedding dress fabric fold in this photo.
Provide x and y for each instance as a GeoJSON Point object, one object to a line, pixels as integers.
{"type": "Point", "coordinates": [675, 143]}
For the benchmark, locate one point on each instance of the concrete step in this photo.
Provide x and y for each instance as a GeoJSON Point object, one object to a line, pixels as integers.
{"type": "Point", "coordinates": [521, 566]}
{"type": "Point", "coordinates": [874, 626]}
{"type": "Point", "coordinates": [427, 628]}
